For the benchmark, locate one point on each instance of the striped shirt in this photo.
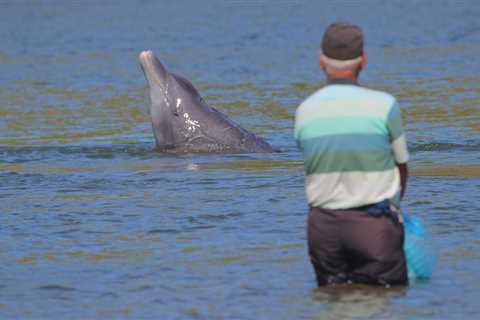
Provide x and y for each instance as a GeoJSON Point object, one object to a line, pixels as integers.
{"type": "Point", "coordinates": [351, 137]}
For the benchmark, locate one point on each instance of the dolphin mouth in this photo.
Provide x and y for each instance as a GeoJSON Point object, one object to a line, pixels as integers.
{"type": "Point", "coordinates": [152, 68]}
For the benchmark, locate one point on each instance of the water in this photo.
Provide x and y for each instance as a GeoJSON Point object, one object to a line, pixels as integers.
{"type": "Point", "coordinates": [96, 224]}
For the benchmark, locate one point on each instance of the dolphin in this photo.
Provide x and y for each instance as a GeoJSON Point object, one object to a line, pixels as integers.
{"type": "Point", "coordinates": [183, 122]}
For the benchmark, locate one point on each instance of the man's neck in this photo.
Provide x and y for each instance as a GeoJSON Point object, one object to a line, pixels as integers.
{"type": "Point", "coordinates": [341, 80]}
{"type": "Point", "coordinates": [341, 76]}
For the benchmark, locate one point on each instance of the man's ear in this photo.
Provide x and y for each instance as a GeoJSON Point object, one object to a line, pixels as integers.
{"type": "Point", "coordinates": [321, 61]}
{"type": "Point", "coordinates": [364, 60]}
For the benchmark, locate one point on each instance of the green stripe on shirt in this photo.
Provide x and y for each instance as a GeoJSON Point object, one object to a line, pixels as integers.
{"type": "Point", "coordinates": [341, 125]}
{"type": "Point", "coordinates": [354, 160]}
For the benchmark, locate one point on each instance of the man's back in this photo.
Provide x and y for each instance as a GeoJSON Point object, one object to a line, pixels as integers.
{"type": "Point", "coordinates": [346, 133]}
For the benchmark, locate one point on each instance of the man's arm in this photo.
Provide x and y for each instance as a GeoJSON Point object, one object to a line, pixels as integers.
{"type": "Point", "coordinates": [403, 168]}
{"type": "Point", "coordinates": [399, 145]}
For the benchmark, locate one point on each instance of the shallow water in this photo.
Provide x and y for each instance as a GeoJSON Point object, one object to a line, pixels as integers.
{"type": "Point", "coordinates": [96, 224]}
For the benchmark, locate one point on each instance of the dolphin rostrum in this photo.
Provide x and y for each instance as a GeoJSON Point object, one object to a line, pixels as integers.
{"type": "Point", "coordinates": [183, 122]}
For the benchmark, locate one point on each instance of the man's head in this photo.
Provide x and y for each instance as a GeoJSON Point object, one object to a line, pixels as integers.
{"type": "Point", "coordinates": [342, 53]}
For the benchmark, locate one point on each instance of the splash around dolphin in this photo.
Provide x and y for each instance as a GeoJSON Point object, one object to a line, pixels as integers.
{"type": "Point", "coordinates": [183, 122]}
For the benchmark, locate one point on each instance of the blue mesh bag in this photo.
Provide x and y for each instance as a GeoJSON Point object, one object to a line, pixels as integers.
{"type": "Point", "coordinates": [419, 250]}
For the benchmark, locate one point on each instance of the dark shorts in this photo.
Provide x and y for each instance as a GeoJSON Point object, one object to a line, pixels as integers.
{"type": "Point", "coordinates": [352, 246]}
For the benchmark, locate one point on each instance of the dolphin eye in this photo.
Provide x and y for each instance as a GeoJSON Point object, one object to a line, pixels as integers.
{"type": "Point", "coordinates": [178, 104]}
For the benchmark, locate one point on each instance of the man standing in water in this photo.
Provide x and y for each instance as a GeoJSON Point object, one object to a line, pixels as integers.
{"type": "Point", "coordinates": [355, 157]}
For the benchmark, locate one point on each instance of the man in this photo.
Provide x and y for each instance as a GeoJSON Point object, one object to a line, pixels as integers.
{"type": "Point", "coordinates": [355, 157]}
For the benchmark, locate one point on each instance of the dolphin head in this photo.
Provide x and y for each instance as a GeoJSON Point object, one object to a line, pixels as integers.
{"type": "Point", "coordinates": [177, 109]}
{"type": "Point", "coordinates": [162, 107]}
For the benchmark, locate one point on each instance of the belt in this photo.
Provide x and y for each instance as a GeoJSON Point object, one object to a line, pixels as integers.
{"type": "Point", "coordinates": [363, 208]}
